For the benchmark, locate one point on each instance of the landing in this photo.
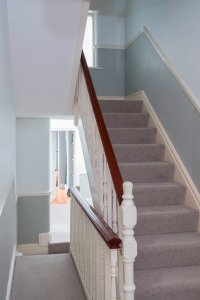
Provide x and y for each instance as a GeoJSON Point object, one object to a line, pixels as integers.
{"type": "Point", "coordinates": [46, 277]}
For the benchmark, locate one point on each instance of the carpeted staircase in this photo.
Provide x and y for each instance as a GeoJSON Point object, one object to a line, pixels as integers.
{"type": "Point", "coordinates": [168, 263]}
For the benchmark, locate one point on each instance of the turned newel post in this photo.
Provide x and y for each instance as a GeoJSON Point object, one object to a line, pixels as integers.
{"type": "Point", "coordinates": [129, 220]}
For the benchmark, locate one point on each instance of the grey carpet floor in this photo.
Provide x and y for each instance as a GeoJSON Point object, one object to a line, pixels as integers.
{"type": "Point", "coordinates": [46, 277]}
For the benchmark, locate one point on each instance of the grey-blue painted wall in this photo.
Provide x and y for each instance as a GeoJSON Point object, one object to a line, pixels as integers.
{"type": "Point", "coordinates": [33, 172]}
{"type": "Point", "coordinates": [33, 218]}
{"type": "Point", "coordinates": [144, 70]}
{"type": "Point", "coordinates": [109, 80]}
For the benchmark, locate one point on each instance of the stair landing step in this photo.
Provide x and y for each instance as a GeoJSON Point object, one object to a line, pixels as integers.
{"type": "Point", "coordinates": [168, 250]}
{"type": "Point", "coordinates": [168, 284]}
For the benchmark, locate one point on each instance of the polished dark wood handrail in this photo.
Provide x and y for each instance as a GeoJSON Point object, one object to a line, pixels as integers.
{"type": "Point", "coordinates": [111, 159]}
{"type": "Point", "coordinates": [107, 234]}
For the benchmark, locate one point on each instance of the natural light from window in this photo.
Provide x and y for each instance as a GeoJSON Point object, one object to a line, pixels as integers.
{"type": "Point", "coordinates": [88, 41]}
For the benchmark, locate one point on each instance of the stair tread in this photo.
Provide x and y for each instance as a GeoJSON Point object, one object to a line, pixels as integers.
{"type": "Point", "coordinates": [168, 209]}
{"type": "Point", "coordinates": [168, 240]}
{"type": "Point", "coordinates": [120, 105]}
{"type": "Point", "coordinates": [167, 250]}
{"type": "Point", "coordinates": [132, 129]}
{"type": "Point", "coordinates": [179, 283]}
{"type": "Point", "coordinates": [148, 163]}
{"type": "Point", "coordinates": [145, 163]}
{"type": "Point", "coordinates": [165, 219]}
{"type": "Point", "coordinates": [157, 184]}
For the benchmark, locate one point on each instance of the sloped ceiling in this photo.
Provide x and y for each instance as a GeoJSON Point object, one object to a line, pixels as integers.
{"type": "Point", "coordinates": [46, 40]}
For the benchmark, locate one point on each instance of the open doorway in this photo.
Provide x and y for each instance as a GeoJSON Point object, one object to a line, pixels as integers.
{"type": "Point", "coordinates": [67, 169]}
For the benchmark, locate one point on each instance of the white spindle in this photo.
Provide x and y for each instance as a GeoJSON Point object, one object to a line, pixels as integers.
{"type": "Point", "coordinates": [129, 220]}
{"type": "Point", "coordinates": [113, 274]}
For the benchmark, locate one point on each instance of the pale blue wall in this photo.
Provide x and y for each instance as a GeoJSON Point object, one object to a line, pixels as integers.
{"type": "Point", "coordinates": [109, 80]}
{"type": "Point", "coordinates": [175, 25]}
{"type": "Point", "coordinates": [146, 71]}
{"type": "Point", "coordinates": [32, 143]}
{"type": "Point", "coordinates": [110, 38]}
{"type": "Point", "coordinates": [7, 156]}
{"type": "Point", "coordinates": [33, 173]}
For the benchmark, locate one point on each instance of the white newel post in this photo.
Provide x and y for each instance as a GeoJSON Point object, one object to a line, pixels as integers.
{"type": "Point", "coordinates": [129, 220]}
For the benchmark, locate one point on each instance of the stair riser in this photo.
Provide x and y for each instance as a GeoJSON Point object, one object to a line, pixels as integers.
{"type": "Point", "coordinates": [169, 223]}
{"type": "Point", "coordinates": [133, 136]}
{"type": "Point", "coordinates": [126, 120]}
{"type": "Point", "coordinates": [146, 173]}
{"type": "Point", "coordinates": [168, 196]}
{"type": "Point", "coordinates": [113, 106]}
{"type": "Point", "coordinates": [139, 154]}
{"type": "Point", "coordinates": [166, 257]}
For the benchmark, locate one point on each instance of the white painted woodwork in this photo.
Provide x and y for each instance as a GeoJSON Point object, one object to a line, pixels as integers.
{"type": "Point", "coordinates": [121, 219]}
{"type": "Point", "coordinates": [95, 262]}
{"type": "Point", "coordinates": [129, 220]}
{"type": "Point", "coordinates": [101, 172]}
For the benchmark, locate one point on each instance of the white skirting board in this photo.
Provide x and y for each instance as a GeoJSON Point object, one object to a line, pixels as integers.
{"type": "Point", "coordinates": [10, 278]}
{"type": "Point", "coordinates": [192, 198]}
{"type": "Point", "coordinates": [36, 249]}
{"type": "Point", "coordinates": [32, 249]}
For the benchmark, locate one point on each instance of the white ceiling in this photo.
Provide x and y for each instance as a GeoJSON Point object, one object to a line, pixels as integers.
{"type": "Point", "coordinates": [46, 40]}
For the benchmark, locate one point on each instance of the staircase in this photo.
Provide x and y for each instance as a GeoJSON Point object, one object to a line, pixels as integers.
{"type": "Point", "coordinates": [167, 266]}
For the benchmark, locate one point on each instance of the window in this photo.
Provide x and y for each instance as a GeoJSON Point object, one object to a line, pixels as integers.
{"type": "Point", "coordinates": [89, 40]}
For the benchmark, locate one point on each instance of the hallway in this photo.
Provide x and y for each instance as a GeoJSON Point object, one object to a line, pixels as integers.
{"type": "Point", "coordinates": [43, 277]}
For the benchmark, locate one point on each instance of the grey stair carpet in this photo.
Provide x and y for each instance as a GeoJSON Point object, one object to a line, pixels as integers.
{"type": "Point", "coordinates": [57, 248]}
{"type": "Point", "coordinates": [168, 263]}
{"type": "Point", "coordinates": [46, 277]}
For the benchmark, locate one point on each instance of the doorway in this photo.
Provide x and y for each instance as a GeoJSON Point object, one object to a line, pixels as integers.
{"type": "Point", "coordinates": [67, 169]}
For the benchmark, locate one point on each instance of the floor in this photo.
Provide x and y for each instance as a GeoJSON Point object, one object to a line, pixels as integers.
{"type": "Point", "coordinates": [61, 197]}
{"type": "Point", "coordinates": [43, 277]}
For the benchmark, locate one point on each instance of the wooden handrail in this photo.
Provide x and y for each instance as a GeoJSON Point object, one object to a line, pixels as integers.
{"type": "Point", "coordinates": [107, 234]}
{"type": "Point", "coordinates": [111, 159]}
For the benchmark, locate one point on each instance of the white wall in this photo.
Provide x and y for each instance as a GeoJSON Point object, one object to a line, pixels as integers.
{"type": "Point", "coordinates": [7, 157]}
{"type": "Point", "coordinates": [175, 26]}
{"type": "Point", "coordinates": [33, 161]}
{"type": "Point", "coordinates": [46, 40]}
{"type": "Point", "coordinates": [7, 118]}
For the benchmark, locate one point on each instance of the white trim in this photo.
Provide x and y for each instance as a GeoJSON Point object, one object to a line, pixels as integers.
{"type": "Point", "coordinates": [33, 249]}
{"type": "Point", "coordinates": [110, 98]}
{"type": "Point", "coordinates": [34, 194]}
{"type": "Point", "coordinates": [10, 278]}
{"type": "Point", "coordinates": [46, 115]}
{"type": "Point", "coordinates": [44, 238]}
{"type": "Point", "coordinates": [133, 38]}
{"type": "Point", "coordinates": [181, 174]}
